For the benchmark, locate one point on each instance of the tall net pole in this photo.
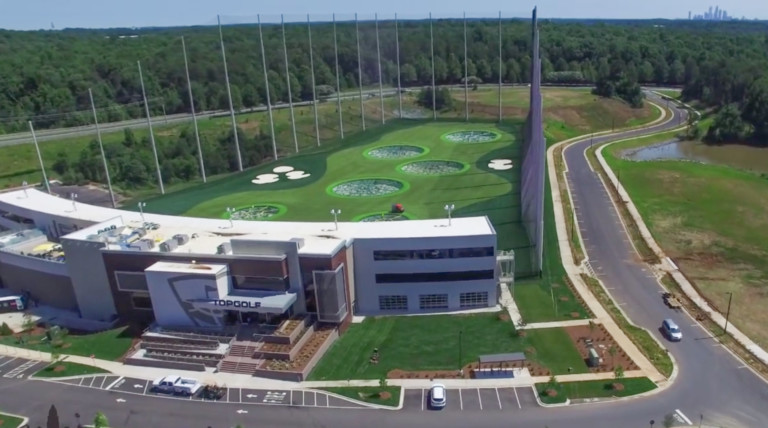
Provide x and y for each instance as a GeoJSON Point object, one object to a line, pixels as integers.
{"type": "Point", "coordinates": [314, 91]}
{"type": "Point", "coordinates": [466, 72]}
{"type": "Point", "coordinates": [338, 81]}
{"type": "Point", "coordinates": [500, 67]}
{"type": "Point", "coordinates": [288, 82]}
{"type": "Point", "coordinates": [360, 74]}
{"type": "Point", "coordinates": [378, 56]}
{"type": "Point", "coordinates": [229, 96]}
{"type": "Point", "coordinates": [432, 52]}
{"type": "Point", "coordinates": [266, 84]}
{"type": "Point", "coordinates": [39, 158]}
{"type": "Point", "coordinates": [192, 108]}
{"type": "Point", "coordinates": [101, 148]}
{"type": "Point", "coordinates": [397, 52]}
{"type": "Point", "coordinates": [151, 133]}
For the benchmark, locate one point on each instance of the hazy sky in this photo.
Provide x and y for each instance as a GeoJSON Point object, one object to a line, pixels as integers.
{"type": "Point", "coordinates": [37, 14]}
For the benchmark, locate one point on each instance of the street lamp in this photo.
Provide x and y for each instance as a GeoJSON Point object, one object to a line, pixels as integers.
{"type": "Point", "coordinates": [73, 196]}
{"type": "Point", "coordinates": [230, 211]}
{"type": "Point", "coordinates": [141, 206]}
{"type": "Point", "coordinates": [728, 312]}
{"type": "Point", "coordinates": [652, 422]}
{"type": "Point", "coordinates": [461, 370]}
{"type": "Point", "coordinates": [335, 213]}
{"type": "Point", "coordinates": [24, 185]}
{"type": "Point", "coordinates": [450, 209]}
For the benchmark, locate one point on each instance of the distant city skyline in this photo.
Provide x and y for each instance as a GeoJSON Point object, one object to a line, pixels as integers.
{"type": "Point", "coordinates": [47, 14]}
{"type": "Point", "coordinates": [714, 13]}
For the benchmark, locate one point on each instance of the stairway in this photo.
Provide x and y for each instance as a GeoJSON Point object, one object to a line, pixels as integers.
{"type": "Point", "coordinates": [240, 359]}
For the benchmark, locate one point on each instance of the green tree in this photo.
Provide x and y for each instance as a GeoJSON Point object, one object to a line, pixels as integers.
{"type": "Point", "coordinates": [100, 421]}
{"type": "Point", "coordinates": [755, 109]}
{"type": "Point", "coordinates": [727, 126]}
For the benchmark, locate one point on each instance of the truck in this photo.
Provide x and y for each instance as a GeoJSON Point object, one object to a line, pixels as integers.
{"type": "Point", "coordinates": [672, 301]}
{"type": "Point", "coordinates": [176, 385]}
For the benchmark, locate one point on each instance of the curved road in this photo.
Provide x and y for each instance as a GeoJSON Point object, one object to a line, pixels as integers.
{"type": "Point", "coordinates": [710, 381]}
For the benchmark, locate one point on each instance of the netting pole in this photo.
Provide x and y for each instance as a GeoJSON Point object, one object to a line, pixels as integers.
{"type": "Point", "coordinates": [314, 91]}
{"type": "Point", "coordinates": [466, 72]}
{"type": "Point", "coordinates": [397, 51]}
{"type": "Point", "coordinates": [192, 108]}
{"type": "Point", "coordinates": [360, 74]}
{"type": "Point", "coordinates": [500, 66]}
{"type": "Point", "coordinates": [266, 84]}
{"type": "Point", "coordinates": [338, 81]}
{"type": "Point", "coordinates": [378, 56]}
{"type": "Point", "coordinates": [288, 82]}
{"type": "Point", "coordinates": [101, 148]}
{"type": "Point", "coordinates": [151, 133]}
{"type": "Point", "coordinates": [39, 158]}
{"type": "Point", "coordinates": [229, 95]}
{"type": "Point", "coordinates": [432, 52]}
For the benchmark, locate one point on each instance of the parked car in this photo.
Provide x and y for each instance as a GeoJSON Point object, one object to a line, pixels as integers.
{"type": "Point", "coordinates": [176, 385]}
{"type": "Point", "coordinates": [437, 398]}
{"type": "Point", "coordinates": [671, 330]}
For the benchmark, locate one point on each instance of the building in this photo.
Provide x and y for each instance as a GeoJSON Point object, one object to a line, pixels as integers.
{"type": "Point", "coordinates": [104, 264]}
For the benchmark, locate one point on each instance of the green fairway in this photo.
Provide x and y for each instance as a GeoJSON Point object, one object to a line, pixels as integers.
{"type": "Point", "coordinates": [432, 343]}
{"type": "Point", "coordinates": [106, 345]}
{"type": "Point", "coordinates": [7, 421]}
{"type": "Point", "coordinates": [65, 369]}
{"type": "Point", "coordinates": [369, 394]}
{"type": "Point", "coordinates": [594, 389]}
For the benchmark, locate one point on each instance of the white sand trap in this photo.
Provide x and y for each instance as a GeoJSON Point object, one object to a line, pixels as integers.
{"type": "Point", "coordinates": [499, 167]}
{"type": "Point", "coordinates": [297, 175]}
{"type": "Point", "coordinates": [281, 169]}
{"type": "Point", "coordinates": [266, 179]}
{"type": "Point", "coordinates": [501, 161]}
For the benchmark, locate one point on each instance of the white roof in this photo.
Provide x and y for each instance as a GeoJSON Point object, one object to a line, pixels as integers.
{"type": "Point", "coordinates": [319, 237]}
{"type": "Point", "coordinates": [197, 268]}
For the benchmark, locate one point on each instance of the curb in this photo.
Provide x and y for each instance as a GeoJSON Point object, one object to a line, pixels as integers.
{"type": "Point", "coordinates": [24, 419]}
{"type": "Point", "coordinates": [362, 403]}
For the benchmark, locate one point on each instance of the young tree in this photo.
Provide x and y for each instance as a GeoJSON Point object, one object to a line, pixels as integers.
{"type": "Point", "coordinates": [618, 372]}
{"type": "Point", "coordinates": [100, 421]}
{"type": "Point", "coordinates": [612, 352]}
{"type": "Point", "coordinates": [53, 418]}
{"type": "Point", "coordinates": [383, 382]}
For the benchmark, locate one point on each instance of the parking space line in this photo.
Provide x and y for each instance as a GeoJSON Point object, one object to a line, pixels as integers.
{"type": "Point", "coordinates": [92, 379]}
{"type": "Point", "coordinates": [12, 359]}
{"type": "Point", "coordinates": [498, 398]}
{"type": "Point", "coordinates": [291, 399]}
{"type": "Point", "coordinates": [228, 394]}
{"type": "Point", "coordinates": [517, 398]}
{"type": "Point", "coordinates": [327, 404]}
{"type": "Point", "coordinates": [303, 403]}
{"type": "Point", "coordinates": [115, 382]}
{"type": "Point", "coordinates": [315, 398]}
{"type": "Point", "coordinates": [81, 381]}
{"type": "Point", "coordinates": [422, 399]}
{"type": "Point", "coordinates": [461, 401]}
{"type": "Point", "coordinates": [241, 395]}
{"type": "Point", "coordinates": [102, 382]}
{"type": "Point", "coordinates": [146, 386]}
{"type": "Point", "coordinates": [480, 400]}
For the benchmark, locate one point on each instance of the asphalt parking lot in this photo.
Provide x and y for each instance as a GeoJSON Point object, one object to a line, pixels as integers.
{"type": "Point", "coordinates": [19, 368]}
{"type": "Point", "coordinates": [474, 399]}
{"type": "Point", "coordinates": [298, 398]}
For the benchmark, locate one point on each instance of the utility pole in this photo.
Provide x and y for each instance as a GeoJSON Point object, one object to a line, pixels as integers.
{"type": "Point", "coordinates": [432, 50]}
{"type": "Point", "coordinates": [314, 91]}
{"type": "Point", "coordinates": [288, 83]}
{"type": "Point", "coordinates": [397, 52]}
{"type": "Point", "coordinates": [466, 73]}
{"type": "Point", "coordinates": [192, 109]}
{"type": "Point", "coordinates": [728, 312]}
{"type": "Point", "coordinates": [101, 148]}
{"type": "Point", "coordinates": [360, 74]}
{"type": "Point", "coordinates": [229, 95]}
{"type": "Point", "coordinates": [338, 85]}
{"type": "Point", "coordinates": [266, 83]}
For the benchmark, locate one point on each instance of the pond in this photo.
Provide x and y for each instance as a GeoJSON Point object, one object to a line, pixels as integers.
{"type": "Point", "coordinates": [734, 155]}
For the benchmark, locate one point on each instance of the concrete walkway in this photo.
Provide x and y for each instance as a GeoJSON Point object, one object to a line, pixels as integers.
{"type": "Point", "coordinates": [506, 301]}
{"type": "Point", "coordinates": [667, 266]}
{"type": "Point", "coordinates": [574, 272]}
{"type": "Point", "coordinates": [554, 324]}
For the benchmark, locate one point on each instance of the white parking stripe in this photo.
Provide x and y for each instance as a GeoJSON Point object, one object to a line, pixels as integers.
{"type": "Point", "coordinates": [241, 395]}
{"type": "Point", "coordinates": [422, 399]}
{"type": "Point", "coordinates": [146, 386]}
{"type": "Point", "coordinates": [228, 389]}
{"type": "Point", "coordinates": [480, 400]}
{"type": "Point", "coordinates": [461, 402]}
{"type": "Point", "coordinates": [517, 398]}
{"type": "Point", "coordinates": [114, 383]}
{"type": "Point", "coordinates": [12, 359]}
{"type": "Point", "coordinates": [327, 403]}
{"type": "Point", "coordinates": [102, 382]}
{"type": "Point", "coordinates": [498, 398]}
{"type": "Point", "coordinates": [685, 418]}
{"type": "Point", "coordinates": [315, 398]}
{"type": "Point", "coordinates": [91, 384]}
{"type": "Point", "coordinates": [81, 381]}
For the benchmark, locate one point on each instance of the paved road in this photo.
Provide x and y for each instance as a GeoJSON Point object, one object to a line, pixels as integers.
{"type": "Point", "coordinates": [710, 381]}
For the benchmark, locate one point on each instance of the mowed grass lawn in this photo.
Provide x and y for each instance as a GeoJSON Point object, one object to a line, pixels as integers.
{"type": "Point", "coordinates": [7, 421]}
{"type": "Point", "coordinates": [712, 221]}
{"type": "Point", "coordinates": [476, 191]}
{"type": "Point", "coordinates": [595, 389]}
{"type": "Point", "coordinates": [106, 345]}
{"type": "Point", "coordinates": [431, 342]}
{"type": "Point", "coordinates": [66, 368]}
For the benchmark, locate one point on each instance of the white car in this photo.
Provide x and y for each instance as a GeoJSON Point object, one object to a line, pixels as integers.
{"type": "Point", "coordinates": [671, 330]}
{"type": "Point", "coordinates": [437, 397]}
{"type": "Point", "coordinates": [176, 385]}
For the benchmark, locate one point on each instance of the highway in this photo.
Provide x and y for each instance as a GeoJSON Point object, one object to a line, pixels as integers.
{"type": "Point", "coordinates": [710, 383]}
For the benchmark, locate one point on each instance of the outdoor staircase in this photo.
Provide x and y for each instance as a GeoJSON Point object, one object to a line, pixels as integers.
{"type": "Point", "coordinates": [243, 349]}
{"type": "Point", "coordinates": [240, 359]}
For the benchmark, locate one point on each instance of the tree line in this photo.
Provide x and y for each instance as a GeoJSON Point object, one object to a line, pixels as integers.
{"type": "Point", "coordinates": [46, 74]}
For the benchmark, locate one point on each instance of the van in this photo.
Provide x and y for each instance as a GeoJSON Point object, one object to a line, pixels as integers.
{"type": "Point", "coordinates": [671, 330]}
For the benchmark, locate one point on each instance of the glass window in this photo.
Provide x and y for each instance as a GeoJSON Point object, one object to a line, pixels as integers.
{"type": "Point", "coordinates": [470, 275]}
{"type": "Point", "coordinates": [473, 299]}
{"type": "Point", "coordinates": [392, 255]}
{"type": "Point", "coordinates": [445, 253]}
{"type": "Point", "coordinates": [131, 281]}
{"type": "Point", "coordinates": [141, 302]}
{"type": "Point", "coordinates": [461, 253]}
{"type": "Point", "coordinates": [241, 282]}
{"type": "Point", "coordinates": [433, 301]}
{"type": "Point", "coordinates": [393, 303]}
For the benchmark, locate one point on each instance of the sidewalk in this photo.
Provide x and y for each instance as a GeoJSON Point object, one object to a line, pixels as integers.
{"type": "Point", "coordinates": [667, 266]}
{"type": "Point", "coordinates": [574, 272]}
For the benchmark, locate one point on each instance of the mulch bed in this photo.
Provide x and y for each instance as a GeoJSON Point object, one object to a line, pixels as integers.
{"type": "Point", "coordinates": [534, 368]}
{"type": "Point", "coordinates": [602, 342]}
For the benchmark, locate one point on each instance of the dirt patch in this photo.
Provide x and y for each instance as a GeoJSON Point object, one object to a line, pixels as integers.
{"type": "Point", "coordinates": [551, 393]}
{"type": "Point", "coordinates": [616, 386]}
{"type": "Point", "coordinates": [251, 126]}
{"type": "Point", "coordinates": [575, 315]}
{"type": "Point", "coordinates": [603, 343]}
{"type": "Point", "coordinates": [59, 368]}
{"type": "Point", "coordinates": [564, 298]}
{"type": "Point", "coordinates": [503, 316]}
{"type": "Point", "coordinates": [385, 395]}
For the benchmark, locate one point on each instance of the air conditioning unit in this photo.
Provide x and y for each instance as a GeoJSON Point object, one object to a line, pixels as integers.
{"type": "Point", "coordinates": [181, 239]}
{"type": "Point", "coordinates": [168, 246]}
{"type": "Point", "coordinates": [150, 243]}
{"type": "Point", "coordinates": [225, 248]}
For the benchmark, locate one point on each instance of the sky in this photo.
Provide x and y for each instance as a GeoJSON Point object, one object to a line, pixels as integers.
{"type": "Point", "coordinates": [41, 14]}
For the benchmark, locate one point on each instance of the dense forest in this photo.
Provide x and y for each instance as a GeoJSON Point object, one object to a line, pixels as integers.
{"type": "Point", "coordinates": [46, 74]}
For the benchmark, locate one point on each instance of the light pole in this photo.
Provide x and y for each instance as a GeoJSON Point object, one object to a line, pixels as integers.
{"type": "Point", "coordinates": [449, 208]}
{"type": "Point", "coordinates": [461, 370]}
{"type": "Point", "coordinates": [335, 213]}
{"type": "Point", "coordinates": [24, 185]}
{"type": "Point", "coordinates": [141, 206]}
{"type": "Point", "coordinates": [73, 196]}
{"type": "Point", "coordinates": [728, 312]}
{"type": "Point", "coordinates": [701, 419]}
{"type": "Point", "coordinates": [230, 211]}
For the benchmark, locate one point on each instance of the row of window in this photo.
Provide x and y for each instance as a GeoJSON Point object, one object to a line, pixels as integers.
{"type": "Point", "coordinates": [445, 253]}
{"type": "Point", "coordinates": [472, 299]}
{"type": "Point", "coordinates": [469, 275]}
{"type": "Point", "coordinates": [137, 281]}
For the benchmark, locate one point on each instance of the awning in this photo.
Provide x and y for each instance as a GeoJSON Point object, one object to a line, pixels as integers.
{"type": "Point", "coordinates": [277, 303]}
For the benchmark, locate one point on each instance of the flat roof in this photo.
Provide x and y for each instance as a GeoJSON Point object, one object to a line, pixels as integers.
{"type": "Point", "coordinates": [320, 238]}
{"type": "Point", "coordinates": [196, 268]}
